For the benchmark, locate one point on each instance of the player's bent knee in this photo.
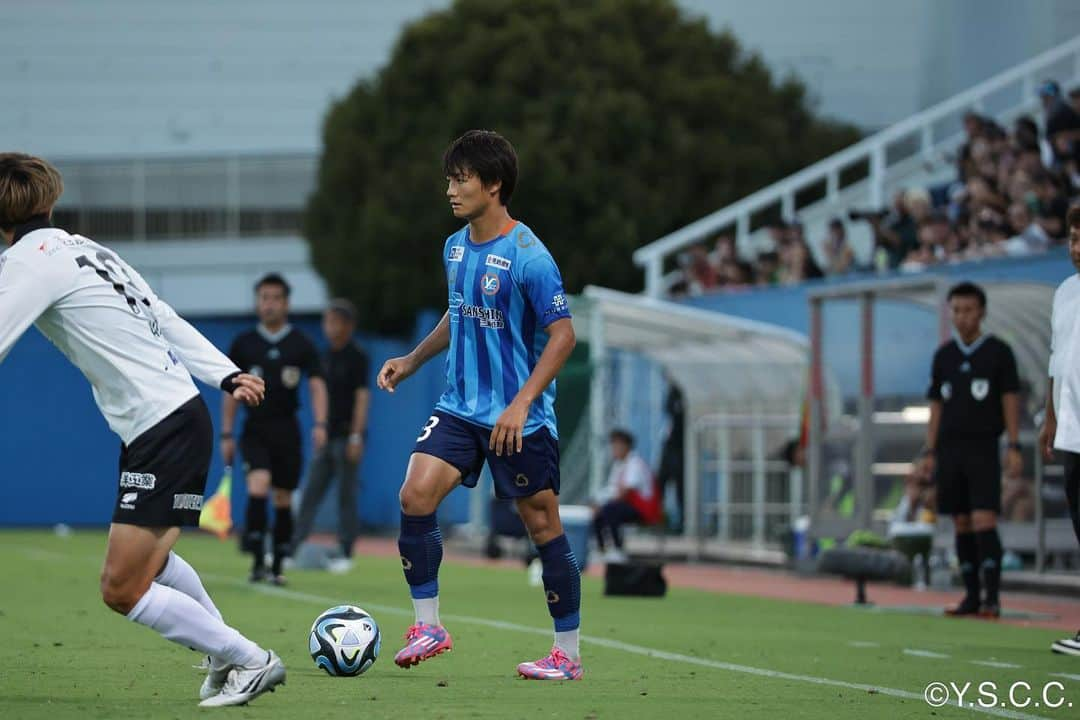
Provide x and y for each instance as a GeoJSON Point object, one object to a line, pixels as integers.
{"type": "Point", "coordinates": [415, 501]}
{"type": "Point", "coordinates": [118, 595]}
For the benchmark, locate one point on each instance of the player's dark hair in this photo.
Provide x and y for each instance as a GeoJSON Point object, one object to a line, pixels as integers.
{"type": "Point", "coordinates": [274, 279]}
{"type": "Point", "coordinates": [489, 155]}
{"type": "Point", "coordinates": [1072, 219]}
{"type": "Point", "coordinates": [623, 436]}
{"type": "Point", "coordinates": [968, 289]}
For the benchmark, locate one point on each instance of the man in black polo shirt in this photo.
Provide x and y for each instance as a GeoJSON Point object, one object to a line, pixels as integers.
{"type": "Point", "coordinates": [973, 396]}
{"type": "Point", "coordinates": [345, 367]}
{"type": "Point", "coordinates": [271, 443]}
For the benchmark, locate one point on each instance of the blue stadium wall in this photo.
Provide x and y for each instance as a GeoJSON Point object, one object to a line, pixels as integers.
{"type": "Point", "coordinates": [905, 334]}
{"type": "Point", "coordinates": [59, 458]}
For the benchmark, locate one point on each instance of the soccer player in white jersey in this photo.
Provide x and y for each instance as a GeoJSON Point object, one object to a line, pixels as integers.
{"type": "Point", "coordinates": [1061, 431]}
{"type": "Point", "coordinates": [137, 353]}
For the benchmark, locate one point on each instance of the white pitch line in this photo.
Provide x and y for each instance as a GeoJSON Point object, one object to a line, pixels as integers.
{"type": "Point", "coordinates": [863, 644]}
{"type": "Point", "coordinates": [1068, 676]}
{"type": "Point", "coordinates": [924, 653]}
{"type": "Point", "coordinates": [625, 647]}
{"type": "Point", "coordinates": [996, 664]}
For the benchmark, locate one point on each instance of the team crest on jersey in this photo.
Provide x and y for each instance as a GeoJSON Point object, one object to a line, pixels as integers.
{"type": "Point", "coordinates": [498, 262]}
{"type": "Point", "coordinates": [946, 390]}
{"type": "Point", "coordinates": [290, 376]}
{"type": "Point", "coordinates": [526, 239]}
{"type": "Point", "coordinates": [489, 283]}
{"type": "Point", "coordinates": [979, 388]}
{"type": "Point", "coordinates": [456, 253]}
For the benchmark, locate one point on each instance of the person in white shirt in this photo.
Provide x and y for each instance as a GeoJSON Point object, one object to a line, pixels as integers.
{"type": "Point", "coordinates": [630, 496]}
{"type": "Point", "coordinates": [138, 355]}
{"type": "Point", "coordinates": [1061, 430]}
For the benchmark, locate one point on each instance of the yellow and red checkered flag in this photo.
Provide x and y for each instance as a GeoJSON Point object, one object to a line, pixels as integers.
{"type": "Point", "coordinates": [216, 514]}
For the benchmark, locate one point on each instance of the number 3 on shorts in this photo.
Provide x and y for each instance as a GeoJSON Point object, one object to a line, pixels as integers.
{"type": "Point", "coordinates": [431, 423]}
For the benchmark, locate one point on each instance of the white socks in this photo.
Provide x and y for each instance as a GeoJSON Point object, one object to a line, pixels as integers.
{"type": "Point", "coordinates": [181, 619]}
{"type": "Point", "coordinates": [427, 610]}
{"type": "Point", "coordinates": [181, 576]}
{"type": "Point", "coordinates": [569, 643]}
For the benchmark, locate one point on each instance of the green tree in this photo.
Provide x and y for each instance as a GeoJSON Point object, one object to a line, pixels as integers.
{"type": "Point", "coordinates": [630, 119]}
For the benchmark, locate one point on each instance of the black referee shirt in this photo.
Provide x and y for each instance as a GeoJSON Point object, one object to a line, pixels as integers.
{"type": "Point", "coordinates": [281, 360]}
{"type": "Point", "coordinates": [969, 381]}
{"type": "Point", "coordinates": [346, 371]}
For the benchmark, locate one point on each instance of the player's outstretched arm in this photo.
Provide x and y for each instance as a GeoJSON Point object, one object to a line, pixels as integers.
{"type": "Point", "coordinates": [396, 370]}
{"type": "Point", "coordinates": [24, 295]}
{"type": "Point", "coordinates": [508, 431]}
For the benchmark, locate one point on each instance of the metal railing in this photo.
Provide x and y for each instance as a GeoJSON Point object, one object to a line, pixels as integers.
{"type": "Point", "coordinates": [737, 489]}
{"type": "Point", "coordinates": [145, 198]}
{"type": "Point", "coordinates": [882, 154]}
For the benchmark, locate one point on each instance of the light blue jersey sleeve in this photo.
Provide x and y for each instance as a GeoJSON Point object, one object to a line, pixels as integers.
{"type": "Point", "coordinates": [543, 286]}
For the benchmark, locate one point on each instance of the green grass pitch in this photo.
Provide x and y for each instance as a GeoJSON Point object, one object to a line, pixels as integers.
{"type": "Point", "coordinates": [64, 655]}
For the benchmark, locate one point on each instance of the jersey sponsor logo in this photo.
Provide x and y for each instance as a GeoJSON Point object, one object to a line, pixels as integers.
{"type": "Point", "coordinates": [946, 390]}
{"type": "Point", "coordinates": [142, 481]}
{"type": "Point", "coordinates": [965, 367]}
{"type": "Point", "coordinates": [127, 500]}
{"type": "Point", "coordinates": [406, 564]}
{"type": "Point", "coordinates": [521, 480]}
{"type": "Point", "coordinates": [498, 262]}
{"type": "Point", "coordinates": [489, 283]}
{"type": "Point", "coordinates": [552, 597]}
{"type": "Point", "coordinates": [274, 353]}
{"type": "Point", "coordinates": [457, 253]}
{"type": "Point", "coordinates": [187, 501]}
{"type": "Point", "coordinates": [456, 299]}
{"type": "Point", "coordinates": [558, 305]}
{"type": "Point", "coordinates": [979, 388]}
{"type": "Point", "coordinates": [290, 376]}
{"type": "Point", "coordinates": [256, 370]}
{"type": "Point", "coordinates": [489, 317]}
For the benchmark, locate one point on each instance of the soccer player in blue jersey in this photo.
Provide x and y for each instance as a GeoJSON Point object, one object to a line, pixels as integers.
{"type": "Point", "coordinates": [509, 332]}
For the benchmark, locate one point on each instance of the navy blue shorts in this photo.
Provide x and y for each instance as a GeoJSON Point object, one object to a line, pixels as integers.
{"type": "Point", "coordinates": [465, 446]}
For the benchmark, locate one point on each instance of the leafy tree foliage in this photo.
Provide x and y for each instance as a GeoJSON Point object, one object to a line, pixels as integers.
{"type": "Point", "coordinates": [630, 119]}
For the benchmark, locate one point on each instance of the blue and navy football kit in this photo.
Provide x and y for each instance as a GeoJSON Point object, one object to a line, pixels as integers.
{"type": "Point", "coordinates": [503, 294]}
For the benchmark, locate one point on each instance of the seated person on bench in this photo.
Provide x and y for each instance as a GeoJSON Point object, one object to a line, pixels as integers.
{"type": "Point", "coordinates": [630, 496]}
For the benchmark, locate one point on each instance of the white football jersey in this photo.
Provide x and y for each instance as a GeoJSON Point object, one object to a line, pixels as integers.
{"type": "Point", "coordinates": [132, 347]}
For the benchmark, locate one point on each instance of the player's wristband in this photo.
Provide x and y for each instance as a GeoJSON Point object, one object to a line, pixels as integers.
{"type": "Point", "coordinates": [226, 436]}
{"type": "Point", "coordinates": [355, 439]}
{"type": "Point", "coordinates": [320, 425]}
{"type": "Point", "coordinates": [229, 383]}
{"type": "Point", "coordinates": [1015, 446]}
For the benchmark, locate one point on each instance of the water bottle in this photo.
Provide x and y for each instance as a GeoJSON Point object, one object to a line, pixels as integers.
{"type": "Point", "coordinates": [919, 572]}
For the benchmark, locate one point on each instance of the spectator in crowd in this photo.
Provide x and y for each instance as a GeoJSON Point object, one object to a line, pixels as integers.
{"type": "Point", "coordinates": [1012, 192]}
{"type": "Point", "coordinates": [1062, 124]}
{"type": "Point", "coordinates": [839, 257]}
{"type": "Point", "coordinates": [630, 496]}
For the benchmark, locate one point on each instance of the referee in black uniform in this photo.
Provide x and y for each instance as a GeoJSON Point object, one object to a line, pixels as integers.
{"type": "Point", "coordinates": [271, 443]}
{"type": "Point", "coordinates": [973, 397]}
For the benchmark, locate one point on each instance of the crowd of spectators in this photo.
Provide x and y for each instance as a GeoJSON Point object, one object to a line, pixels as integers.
{"type": "Point", "coordinates": [1012, 189]}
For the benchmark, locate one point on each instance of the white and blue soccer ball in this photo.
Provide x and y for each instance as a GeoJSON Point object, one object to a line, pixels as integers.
{"type": "Point", "coordinates": [344, 641]}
